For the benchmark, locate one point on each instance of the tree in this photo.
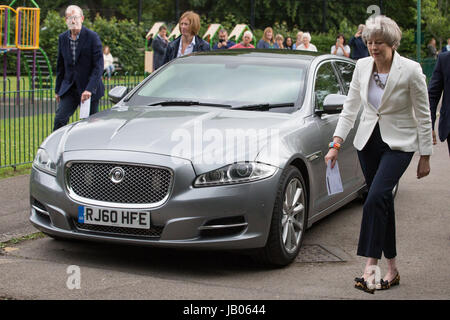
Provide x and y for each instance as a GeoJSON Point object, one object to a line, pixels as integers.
{"type": "Point", "coordinates": [436, 14]}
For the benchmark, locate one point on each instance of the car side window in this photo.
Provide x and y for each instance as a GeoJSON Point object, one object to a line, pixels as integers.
{"type": "Point", "coordinates": [346, 70]}
{"type": "Point", "coordinates": [326, 83]}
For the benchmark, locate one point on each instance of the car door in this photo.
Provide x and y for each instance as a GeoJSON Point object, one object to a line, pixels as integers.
{"type": "Point", "coordinates": [327, 81]}
{"type": "Point", "coordinates": [345, 70]}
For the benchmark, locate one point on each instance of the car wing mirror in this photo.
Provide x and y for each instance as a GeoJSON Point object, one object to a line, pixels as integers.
{"type": "Point", "coordinates": [117, 93]}
{"type": "Point", "coordinates": [333, 103]}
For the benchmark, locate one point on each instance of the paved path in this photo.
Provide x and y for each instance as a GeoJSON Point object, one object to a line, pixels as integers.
{"type": "Point", "coordinates": [15, 204]}
{"type": "Point", "coordinates": [37, 269]}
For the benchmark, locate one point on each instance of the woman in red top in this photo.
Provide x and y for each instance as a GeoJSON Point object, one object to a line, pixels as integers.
{"type": "Point", "coordinates": [245, 44]}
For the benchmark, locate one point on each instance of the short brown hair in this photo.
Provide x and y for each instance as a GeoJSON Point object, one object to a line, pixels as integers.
{"type": "Point", "coordinates": [194, 20]}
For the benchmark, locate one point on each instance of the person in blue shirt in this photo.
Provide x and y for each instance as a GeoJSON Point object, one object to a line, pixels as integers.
{"type": "Point", "coordinates": [267, 40]}
{"type": "Point", "coordinates": [358, 47]}
{"type": "Point", "coordinates": [223, 43]}
{"type": "Point", "coordinates": [299, 40]}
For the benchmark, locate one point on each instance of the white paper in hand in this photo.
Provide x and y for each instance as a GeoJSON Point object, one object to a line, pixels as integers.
{"type": "Point", "coordinates": [334, 182]}
{"type": "Point", "coordinates": [85, 108]}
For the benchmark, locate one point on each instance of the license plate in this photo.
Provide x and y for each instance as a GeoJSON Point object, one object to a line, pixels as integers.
{"type": "Point", "coordinates": [114, 217]}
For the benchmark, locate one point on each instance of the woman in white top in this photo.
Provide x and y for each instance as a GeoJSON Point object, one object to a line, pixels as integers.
{"type": "Point", "coordinates": [307, 45]}
{"type": "Point", "coordinates": [341, 48]}
{"type": "Point", "coordinates": [108, 62]}
{"type": "Point", "coordinates": [394, 123]}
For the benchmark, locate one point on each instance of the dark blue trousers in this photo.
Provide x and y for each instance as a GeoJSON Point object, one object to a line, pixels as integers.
{"type": "Point", "coordinates": [68, 105]}
{"type": "Point", "coordinates": [382, 169]}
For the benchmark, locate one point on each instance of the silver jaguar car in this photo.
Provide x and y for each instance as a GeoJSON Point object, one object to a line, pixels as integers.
{"type": "Point", "coordinates": [217, 150]}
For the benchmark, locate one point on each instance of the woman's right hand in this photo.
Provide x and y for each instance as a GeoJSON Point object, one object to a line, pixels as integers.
{"type": "Point", "coordinates": [331, 155]}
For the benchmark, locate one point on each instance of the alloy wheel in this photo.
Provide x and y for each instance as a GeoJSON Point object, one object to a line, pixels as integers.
{"type": "Point", "coordinates": [293, 220]}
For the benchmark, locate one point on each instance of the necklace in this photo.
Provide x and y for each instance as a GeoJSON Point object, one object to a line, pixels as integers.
{"type": "Point", "coordinates": [378, 81]}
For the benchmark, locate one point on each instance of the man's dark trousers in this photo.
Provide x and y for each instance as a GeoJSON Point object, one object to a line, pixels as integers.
{"type": "Point", "coordinates": [68, 105]}
{"type": "Point", "coordinates": [382, 168]}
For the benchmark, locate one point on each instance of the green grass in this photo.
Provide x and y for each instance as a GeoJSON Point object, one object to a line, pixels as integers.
{"type": "Point", "coordinates": [9, 172]}
{"type": "Point", "coordinates": [20, 137]}
{"type": "Point", "coordinates": [14, 241]}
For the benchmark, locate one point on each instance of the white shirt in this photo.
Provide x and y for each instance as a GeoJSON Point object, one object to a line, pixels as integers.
{"type": "Point", "coordinates": [189, 49]}
{"type": "Point", "coordinates": [339, 51]}
{"type": "Point", "coordinates": [375, 92]}
{"type": "Point", "coordinates": [107, 60]}
{"type": "Point", "coordinates": [311, 47]}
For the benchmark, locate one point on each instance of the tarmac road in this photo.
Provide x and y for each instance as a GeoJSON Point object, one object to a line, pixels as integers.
{"type": "Point", "coordinates": [37, 269]}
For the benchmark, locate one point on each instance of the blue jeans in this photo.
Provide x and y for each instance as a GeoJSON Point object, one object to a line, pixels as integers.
{"type": "Point", "coordinates": [382, 169]}
{"type": "Point", "coordinates": [109, 70]}
{"type": "Point", "coordinates": [68, 104]}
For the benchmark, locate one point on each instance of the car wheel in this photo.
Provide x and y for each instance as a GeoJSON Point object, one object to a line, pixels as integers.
{"type": "Point", "coordinates": [289, 219]}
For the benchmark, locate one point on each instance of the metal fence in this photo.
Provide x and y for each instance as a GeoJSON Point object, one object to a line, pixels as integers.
{"type": "Point", "coordinates": [27, 115]}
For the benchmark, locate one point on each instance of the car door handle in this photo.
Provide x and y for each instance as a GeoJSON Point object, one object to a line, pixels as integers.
{"type": "Point", "coordinates": [314, 156]}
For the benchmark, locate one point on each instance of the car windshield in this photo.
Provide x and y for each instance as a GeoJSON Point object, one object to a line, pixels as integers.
{"type": "Point", "coordinates": [227, 81]}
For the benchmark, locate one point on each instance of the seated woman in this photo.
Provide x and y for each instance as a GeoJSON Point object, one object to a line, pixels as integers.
{"type": "Point", "coordinates": [108, 62]}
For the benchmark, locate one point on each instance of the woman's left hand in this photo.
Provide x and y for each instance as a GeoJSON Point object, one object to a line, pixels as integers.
{"type": "Point", "coordinates": [423, 168]}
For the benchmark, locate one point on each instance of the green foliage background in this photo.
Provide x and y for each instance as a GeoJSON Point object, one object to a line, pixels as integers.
{"type": "Point", "coordinates": [116, 21]}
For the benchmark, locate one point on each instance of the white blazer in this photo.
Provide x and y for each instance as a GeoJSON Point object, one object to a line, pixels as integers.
{"type": "Point", "coordinates": [404, 114]}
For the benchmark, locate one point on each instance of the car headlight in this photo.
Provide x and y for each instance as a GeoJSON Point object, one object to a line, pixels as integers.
{"type": "Point", "coordinates": [235, 173]}
{"type": "Point", "coordinates": [43, 162]}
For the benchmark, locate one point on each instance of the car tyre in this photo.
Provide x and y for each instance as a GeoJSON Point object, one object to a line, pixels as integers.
{"type": "Point", "coordinates": [289, 221]}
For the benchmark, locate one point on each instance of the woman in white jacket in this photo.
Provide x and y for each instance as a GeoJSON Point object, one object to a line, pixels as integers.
{"type": "Point", "coordinates": [395, 123]}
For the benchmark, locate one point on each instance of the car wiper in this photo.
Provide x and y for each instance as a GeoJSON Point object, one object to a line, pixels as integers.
{"type": "Point", "coordinates": [264, 106]}
{"type": "Point", "coordinates": [187, 103]}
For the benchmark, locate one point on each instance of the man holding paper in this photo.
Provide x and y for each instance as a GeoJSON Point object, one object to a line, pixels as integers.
{"type": "Point", "coordinates": [79, 69]}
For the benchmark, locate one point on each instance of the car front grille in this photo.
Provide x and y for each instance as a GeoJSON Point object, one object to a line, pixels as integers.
{"type": "Point", "coordinates": [153, 232]}
{"type": "Point", "coordinates": [140, 185]}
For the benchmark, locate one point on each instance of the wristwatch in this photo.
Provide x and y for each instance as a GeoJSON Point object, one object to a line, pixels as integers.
{"type": "Point", "coordinates": [334, 145]}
